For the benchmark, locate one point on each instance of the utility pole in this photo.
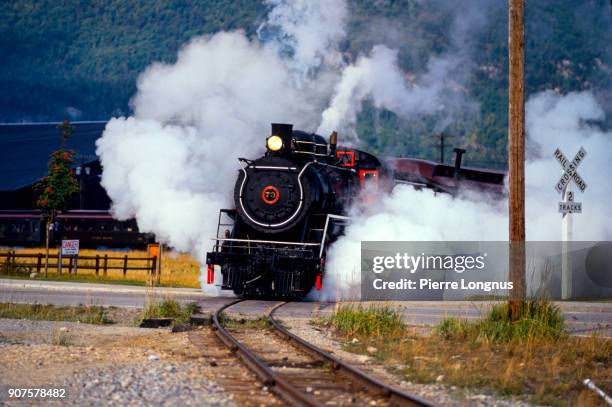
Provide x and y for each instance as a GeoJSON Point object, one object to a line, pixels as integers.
{"type": "Point", "coordinates": [516, 154]}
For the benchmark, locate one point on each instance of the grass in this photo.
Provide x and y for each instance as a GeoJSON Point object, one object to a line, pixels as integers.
{"type": "Point", "coordinates": [88, 314]}
{"type": "Point", "coordinates": [170, 308]}
{"type": "Point", "coordinates": [243, 323]}
{"type": "Point", "coordinates": [178, 269]}
{"type": "Point", "coordinates": [531, 359]}
{"type": "Point", "coordinates": [538, 319]}
{"type": "Point", "coordinates": [370, 322]}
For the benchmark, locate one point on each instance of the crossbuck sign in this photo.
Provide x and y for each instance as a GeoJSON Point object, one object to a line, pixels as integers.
{"type": "Point", "coordinates": [570, 173]}
{"type": "Point", "coordinates": [569, 170]}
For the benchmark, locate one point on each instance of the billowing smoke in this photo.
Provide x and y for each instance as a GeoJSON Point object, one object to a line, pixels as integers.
{"type": "Point", "coordinates": [377, 77]}
{"type": "Point", "coordinates": [567, 122]}
{"type": "Point", "coordinates": [306, 31]}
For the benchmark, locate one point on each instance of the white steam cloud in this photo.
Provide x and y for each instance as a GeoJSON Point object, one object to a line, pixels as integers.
{"type": "Point", "coordinates": [379, 78]}
{"type": "Point", "coordinates": [309, 31]}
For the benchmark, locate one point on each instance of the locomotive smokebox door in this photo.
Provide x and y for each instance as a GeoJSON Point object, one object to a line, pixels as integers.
{"type": "Point", "coordinates": [271, 195]}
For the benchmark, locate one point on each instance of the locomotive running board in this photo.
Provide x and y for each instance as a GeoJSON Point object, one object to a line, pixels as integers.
{"type": "Point", "coordinates": [265, 241]}
{"type": "Point", "coordinates": [321, 244]}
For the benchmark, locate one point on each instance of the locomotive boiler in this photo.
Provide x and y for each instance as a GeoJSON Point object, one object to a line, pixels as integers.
{"type": "Point", "coordinates": [291, 204]}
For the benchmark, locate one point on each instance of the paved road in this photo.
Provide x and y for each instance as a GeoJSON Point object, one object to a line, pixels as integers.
{"type": "Point", "coordinates": [61, 293]}
{"type": "Point", "coordinates": [581, 317]}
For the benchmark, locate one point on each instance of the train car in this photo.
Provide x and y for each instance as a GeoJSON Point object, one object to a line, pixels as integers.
{"type": "Point", "coordinates": [292, 203]}
{"type": "Point", "coordinates": [99, 228]}
{"type": "Point", "coordinates": [91, 228]}
{"type": "Point", "coordinates": [20, 228]}
{"type": "Point", "coordinates": [451, 179]}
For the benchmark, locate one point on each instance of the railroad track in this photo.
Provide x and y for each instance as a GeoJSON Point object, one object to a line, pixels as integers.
{"type": "Point", "coordinates": [301, 373]}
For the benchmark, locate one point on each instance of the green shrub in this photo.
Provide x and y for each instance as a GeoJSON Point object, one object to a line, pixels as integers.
{"type": "Point", "coordinates": [170, 308]}
{"type": "Point", "coordinates": [538, 319]}
{"type": "Point", "coordinates": [453, 328]}
{"type": "Point", "coordinates": [372, 321]}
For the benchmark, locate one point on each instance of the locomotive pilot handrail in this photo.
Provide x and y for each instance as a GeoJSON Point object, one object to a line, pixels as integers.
{"type": "Point", "coordinates": [265, 241]}
{"type": "Point", "coordinates": [310, 142]}
{"type": "Point", "coordinates": [249, 164]}
{"type": "Point", "coordinates": [311, 153]}
{"type": "Point", "coordinates": [269, 167]}
{"type": "Point", "coordinates": [335, 167]}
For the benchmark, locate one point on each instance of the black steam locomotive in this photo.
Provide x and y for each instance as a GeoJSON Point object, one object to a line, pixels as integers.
{"type": "Point", "coordinates": [291, 204]}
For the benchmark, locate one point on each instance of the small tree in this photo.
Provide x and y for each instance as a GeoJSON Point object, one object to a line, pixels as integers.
{"type": "Point", "coordinates": [57, 187]}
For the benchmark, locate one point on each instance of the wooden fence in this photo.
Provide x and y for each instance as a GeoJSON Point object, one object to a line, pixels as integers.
{"type": "Point", "coordinates": [36, 262]}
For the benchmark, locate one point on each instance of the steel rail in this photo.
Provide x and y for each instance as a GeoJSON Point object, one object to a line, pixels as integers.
{"type": "Point", "coordinates": [396, 396]}
{"type": "Point", "coordinates": [276, 382]}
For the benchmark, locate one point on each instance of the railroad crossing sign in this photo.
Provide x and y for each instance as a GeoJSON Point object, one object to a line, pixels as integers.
{"type": "Point", "coordinates": [569, 170]}
{"type": "Point", "coordinates": [570, 173]}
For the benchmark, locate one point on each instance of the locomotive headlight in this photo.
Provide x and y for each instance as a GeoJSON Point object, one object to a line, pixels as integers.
{"type": "Point", "coordinates": [274, 143]}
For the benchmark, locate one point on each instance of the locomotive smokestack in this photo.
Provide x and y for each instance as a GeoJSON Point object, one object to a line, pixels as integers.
{"type": "Point", "coordinates": [459, 154]}
{"type": "Point", "coordinates": [284, 131]}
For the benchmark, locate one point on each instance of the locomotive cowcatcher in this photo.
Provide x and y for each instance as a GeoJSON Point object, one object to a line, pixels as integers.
{"type": "Point", "coordinates": [290, 205]}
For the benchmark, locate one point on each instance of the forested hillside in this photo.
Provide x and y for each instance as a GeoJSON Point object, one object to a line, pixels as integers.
{"type": "Point", "coordinates": [80, 59]}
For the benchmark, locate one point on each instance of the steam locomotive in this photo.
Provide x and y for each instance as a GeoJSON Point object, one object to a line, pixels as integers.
{"type": "Point", "coordinates": [292, 203]}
